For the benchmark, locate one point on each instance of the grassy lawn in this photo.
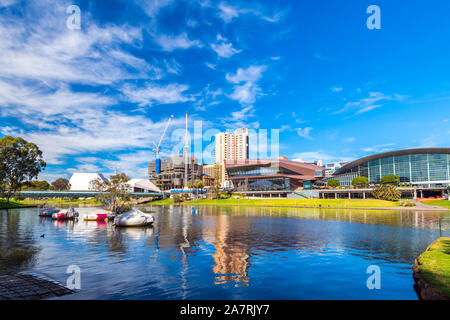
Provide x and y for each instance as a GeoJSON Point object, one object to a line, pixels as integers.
{"type": "Point", "coordinates": [434, 265]}
{"type": "Point", "coordinates": [11, 204]}
{"type": "Point", "coordinates": [165, 201]}
{"type": "Point", "coordinates": [349, 203]}
{"type": "Point", "coordinates": [440, 203]}
{"type": "Point", "coordinates": [30, 202]}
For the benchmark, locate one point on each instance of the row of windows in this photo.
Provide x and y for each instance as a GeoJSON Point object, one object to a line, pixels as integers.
{"type": "Point", "coordinates": [410, 168]}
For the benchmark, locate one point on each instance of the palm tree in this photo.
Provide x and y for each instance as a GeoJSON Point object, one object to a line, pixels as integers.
{"type": "Point", "coordinates": [198, 184]}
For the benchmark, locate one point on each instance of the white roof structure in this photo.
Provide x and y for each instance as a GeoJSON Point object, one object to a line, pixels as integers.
{"type": "Point", "coordinates": [142, 185]}
{"type": "Point", "coordinates": [80, 181]}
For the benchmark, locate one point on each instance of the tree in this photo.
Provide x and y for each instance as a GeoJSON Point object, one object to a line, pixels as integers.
{"type": "Point", "coordinates": [386, 192]}
{"type": "Point", "coordinates": [112, 192]}
{"type": "Point", "coordinates": [190, 185]}
{"type": "Point", "coordinates": [198, 184]}
{"type": "Point", "coordinates": [333, 183]}
{"type": "Point", "coordinates": [360, 182]}
{"type": "Point", "coordinates": [61, 184]}
{"type": "Point", "coordinates": [20, 161]}
{"type": "Point", "coordinates": [35, 185]}
{"type": "Point", "coordinates": [391, 179]}
{"type": "Point", "coordinates": [216, 189]}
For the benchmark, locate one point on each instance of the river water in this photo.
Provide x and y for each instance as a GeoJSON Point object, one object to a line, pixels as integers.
{"type": "Point", "coordinates": [226, 252]}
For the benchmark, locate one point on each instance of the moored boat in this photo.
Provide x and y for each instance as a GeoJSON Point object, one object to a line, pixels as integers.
{"type": "Point", "coordinates": [65, 214]}
{"type": "Point", "coordinates": [48, 212]}
{"type": "Point", "coordinates": [98, 215]}
{"type": "Point", "coordinates": [134, 218]}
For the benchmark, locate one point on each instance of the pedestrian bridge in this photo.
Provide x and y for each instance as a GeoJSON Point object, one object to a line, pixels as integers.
{"type": "Point", "coordinates": [78, 194]}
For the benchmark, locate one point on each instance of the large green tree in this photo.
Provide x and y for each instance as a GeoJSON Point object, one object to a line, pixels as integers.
{"type": "Point", "coordinates": [113, 192]}
{"type": "Point", "coordinates": [333, 183]}
{"type": "Point", "coordinates": [20, 161]}
{"type": "Point", "coordinates": [360, 182]}
{"type": "Point", "coordinates": [61, 184]}
{"type": "Point", "coordinates": [35, 185]}
{"type": "Point", "coordinates": [391, 179]}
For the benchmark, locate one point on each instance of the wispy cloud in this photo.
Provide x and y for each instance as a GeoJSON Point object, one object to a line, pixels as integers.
{"type": "Point", "coordinates": [151, 94]}
{"type": "Point", "coordinates": [305, 132]}
{"type": "Point", "coordinates": [224, 48]}
{"type": "Point", "coordinates": [373, 101]}
{"type": "Point", "coordinates": [229, 12]}
{"type": "Point", "coordinates": [336, 89]}
{"type": "Point", "coordinates": [181, 41]}
{"type": "Point", "coordinates": [379, 148]}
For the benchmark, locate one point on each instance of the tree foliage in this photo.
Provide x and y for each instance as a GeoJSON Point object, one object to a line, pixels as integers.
{"type": "Point", "coordinates": [333, 183]}
{"type": "Point", "coordinates": [113, 192]}
{"type": "Point", "coordinates": [386, 192]}
{"type": "Point", "coordinates": [20, 161]}
{"type": "Point", "coordinates": [61, 184]}
{"type": "Point", "coordinates": [360, 182]}
{"type": "Point", "coordinates": [391, 179]}
{"type": "Point", "coordinates": [35, 185]}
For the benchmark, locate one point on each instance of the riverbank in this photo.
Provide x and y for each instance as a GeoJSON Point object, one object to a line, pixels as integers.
{"type": "Point", "coordinates": [32, 203]}
{"type": "Point", "coordinates": [12, 205]}
{"type": "Point", "coordinates": [432, 271]}
{"type": "Point", "coordinates": [366, 204]}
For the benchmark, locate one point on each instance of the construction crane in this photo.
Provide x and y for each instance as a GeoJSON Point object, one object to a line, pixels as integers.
{"type": "Point", "coordinates": [156, 148]}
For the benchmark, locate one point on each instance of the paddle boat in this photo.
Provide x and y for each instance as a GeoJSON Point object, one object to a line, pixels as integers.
{"type": "Point", "coordinates": [65, 214]}
{"type": "Point", "coordinates": [99, 215]}
{"type": "Point", "coordinates": [134, 218]}
{"type": "Point", "coordinates": [48, 212]}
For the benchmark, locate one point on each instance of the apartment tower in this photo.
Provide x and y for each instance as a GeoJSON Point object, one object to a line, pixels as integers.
{"type": "Point", "coordinates": [231, 146]}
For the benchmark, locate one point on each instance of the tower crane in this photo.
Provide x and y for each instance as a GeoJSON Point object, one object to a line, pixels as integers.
{"type": "Point", "coordinates": [156, 148]}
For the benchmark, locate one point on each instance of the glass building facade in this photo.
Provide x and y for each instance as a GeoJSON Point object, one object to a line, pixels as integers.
{"type": "Point", "coordinates": [419, 167]}
{"type": "Point", "coordinates": [272, 175]}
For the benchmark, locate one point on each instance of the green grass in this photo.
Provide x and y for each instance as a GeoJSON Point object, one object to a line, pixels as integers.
{"type": "Point", "coordinates": [11, 204]}
{"type": "Point", "coordinates": [165, 201]}
{"type": "Point", "coordinates": [434, 265]}
{"type": "Point", "coordinates": [341, 203]}
{"type": "Point", "coordinates": [31, 202]}
{"type": "Point", "coordinates": [439, 203]}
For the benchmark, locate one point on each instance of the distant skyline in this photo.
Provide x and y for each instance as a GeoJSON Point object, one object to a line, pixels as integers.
{"type": "Point", "coordinates": [95, 99]}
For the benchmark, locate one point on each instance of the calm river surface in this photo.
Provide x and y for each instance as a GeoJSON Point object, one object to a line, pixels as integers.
{"type": "Point", "coordinates": [226, 252]}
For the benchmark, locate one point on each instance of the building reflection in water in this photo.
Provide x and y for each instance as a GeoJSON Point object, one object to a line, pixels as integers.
{"type": "Point", "coordinates": [231, 257]}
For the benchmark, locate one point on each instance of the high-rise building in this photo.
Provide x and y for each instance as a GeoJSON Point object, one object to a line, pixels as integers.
{"type": "Point", "coordinates": [231, 146]}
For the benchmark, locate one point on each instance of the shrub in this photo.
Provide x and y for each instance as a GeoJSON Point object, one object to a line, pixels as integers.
{"type": "Point", "coordinates": [360, 182]}
{"type": "Point", "coordinates": [386, 192]}
{"type": "Point", "coordinates": [333, 183]}
{"type": "Point", "coordinates": [406, 204]}
{"type": "Point", "coordinates": [391, 179]}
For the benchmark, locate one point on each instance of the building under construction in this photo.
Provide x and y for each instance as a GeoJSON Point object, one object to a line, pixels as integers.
{"type": "Point", "coordinates": [173, 172]}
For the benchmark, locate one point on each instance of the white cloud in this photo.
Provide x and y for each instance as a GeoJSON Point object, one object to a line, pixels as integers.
{"type": "Point", "coordinates": [181, 41]}
{"type": "Point", "coordinates": [153, 7]}
{"type": "Point", "coordinates": [151, 94]}
{"type": "Point", "coordinates": [251, 74]}
{"type": "Point", "coordinates": [319, 155]}
{"type": "Point", "coordinates": [224, 48]}
{"type": "Point", "coordinates": [305, 132]}
{"type": "Point", "coordinates": [227, 12]}
{"type": "Point", "coordinates": [373, 101]}
{"type": "Point", "coordinates": [336, 89]}
{"type": "Point", "coordinates": [379, 148]}
{"type": "Point", "coordinates": [247, 92]}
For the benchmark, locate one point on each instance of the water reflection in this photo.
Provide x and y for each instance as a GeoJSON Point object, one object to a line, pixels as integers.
{"type": "Point", "coordinates": [226, 252]}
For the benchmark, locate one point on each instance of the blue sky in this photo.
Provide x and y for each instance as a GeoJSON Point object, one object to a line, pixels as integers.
{"type": "Point", "coordinates": [96, 99]}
